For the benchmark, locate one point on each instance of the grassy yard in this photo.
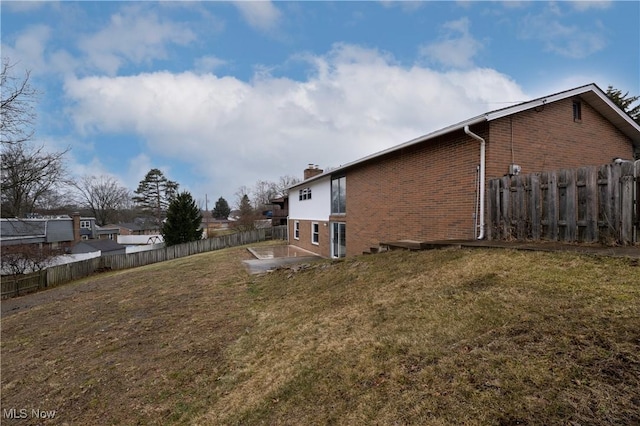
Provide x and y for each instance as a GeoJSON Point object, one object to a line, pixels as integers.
{"type": "Point", "coordinates": [435, 338]}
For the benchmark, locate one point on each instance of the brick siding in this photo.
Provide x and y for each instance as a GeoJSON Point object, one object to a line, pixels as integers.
{"type": "Point", "coordinates": [427, 192]}
{"type": "Point", "coordinates": [323, 248]}
{"type": "Point", "coordinates": [550, 140]}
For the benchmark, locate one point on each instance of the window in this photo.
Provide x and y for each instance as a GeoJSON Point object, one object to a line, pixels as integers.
{"type": "Point", "coordinates": [339, 195]}
{"type": "Point", "coordinates": [86, 224]}
{"type": "Point", "coordinates": [85, 237]}
{"type": "Point", "coordinates": [577, 111]}
{"type": "Point", "coordinates": [315, 233]}
{"type": "Point", "coordinates": [296, 230]}
{"type": "Point", "coordinates": [304, 194]}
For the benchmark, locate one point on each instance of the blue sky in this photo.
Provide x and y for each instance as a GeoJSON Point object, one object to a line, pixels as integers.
{"type": "Point", "coordinates": [220, 95]}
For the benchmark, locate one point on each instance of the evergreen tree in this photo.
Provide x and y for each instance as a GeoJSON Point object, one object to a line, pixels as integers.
{"type": "Point", "coordinates": [624, 102]}
{"type": "Point", "coordinates": [222, 209]}
{"type": "Point", "coordinates": [154, 194]}
{"type": "Point", "coordinates": [183, 221]}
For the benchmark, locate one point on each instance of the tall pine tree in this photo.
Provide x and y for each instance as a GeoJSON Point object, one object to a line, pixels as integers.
{"type": "Point", "coordinates": [183, 222]}
{"type": "Point", "coordinates": [222, 209]}
{"type": "Point", "coordinates": [624, 102]}
{"type": "Point", "coordinates": [154, 194]}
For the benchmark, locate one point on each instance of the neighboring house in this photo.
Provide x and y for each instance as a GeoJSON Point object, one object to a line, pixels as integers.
{"type": "Point", "coordinates": [433, 187]}
{"type": "Point", "coordinates": [106, 247]}
{"type": "Point", "coordinates": [211, 225]}
{"type": "Point", "coordinates": [107, 232]}
{"type": "Point", "coordinates": [60, 232]}
{"type": "Point", "coordinates": [87, 228]}
{"type": "Point", "coordinates": [53, 233]}
{"type": "Point", "coordinates": [279, 210]}
{"type": "Point", "coordinates": [135, 229]}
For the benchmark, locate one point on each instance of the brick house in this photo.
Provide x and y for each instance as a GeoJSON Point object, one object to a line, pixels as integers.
{"type": "Point", "coordinates": [427, 189]}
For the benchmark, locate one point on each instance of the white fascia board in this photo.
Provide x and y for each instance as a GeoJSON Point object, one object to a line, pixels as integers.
{"type": "Point", "coordinates": [539, 102]}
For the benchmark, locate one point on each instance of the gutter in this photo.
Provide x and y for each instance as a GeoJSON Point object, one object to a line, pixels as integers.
{"type": "Point", "coordinates": [480, 235]}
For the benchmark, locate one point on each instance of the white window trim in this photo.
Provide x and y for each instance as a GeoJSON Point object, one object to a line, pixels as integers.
{"type": "Point", "coordinates": [296, 230]}
{"type": "Point", "coordinates": [316, 243]}
{"type": "Point", "coordinates": [85, 224]}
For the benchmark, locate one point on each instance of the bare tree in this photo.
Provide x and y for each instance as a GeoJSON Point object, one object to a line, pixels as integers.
{"type": "Point", "coordinates": [26, 258]}
{"type": "Point", "coordinates": [16, 106]}
{"type": "Point", "coordinates": [103, 195]}
{"type": "Point", "coordinates": [263, 191]}
{"type": "Point", "coordinates": [283, 185]}
{"type": "Point", "coordinates": [240, 194]}
{"type": "Point", "coordinates": [28, 175]}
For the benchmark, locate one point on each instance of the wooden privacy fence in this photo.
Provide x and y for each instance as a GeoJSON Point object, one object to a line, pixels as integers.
{"type": "Point", "coordinates": [589, 204]}
{"type": "Point", "coordinates": [15, 285]}
{"type": "Point", "coordinates": [61, 274]}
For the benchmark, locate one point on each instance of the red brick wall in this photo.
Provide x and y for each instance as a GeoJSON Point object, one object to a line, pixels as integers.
{"type": "Point", "coordinates": [420, 193]}
{"type": "Point", "coordinates": [323, 248]}
{"type": "Point", "coordinates": [427, 192]}
{"type": "Point", "coordinates": [551, 140]}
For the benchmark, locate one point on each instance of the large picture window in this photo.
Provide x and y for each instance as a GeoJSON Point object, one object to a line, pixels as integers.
{"type": "Point", "coordinates": [339, 195]}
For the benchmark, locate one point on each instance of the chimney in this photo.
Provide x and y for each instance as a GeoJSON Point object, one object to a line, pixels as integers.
{"type": "Point", "coordinates": [311, 171]}
{"type": "Point", "coordinates": [76, 226]}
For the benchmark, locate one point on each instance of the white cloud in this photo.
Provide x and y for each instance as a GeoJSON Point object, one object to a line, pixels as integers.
{"type": "Point", "coordinates": [208, 63]}
{"type": "Point", "coordinates": [133, 36]}
{"type": "Point", "coordinates": [582, 5]}
{"type": "Point", "coordinates": [23, 6]}
{"type": "Point", "coordinates": [355, 102]}
{"type": "Point", "coordinates": [456, 48]}
{"type": "Point", "coordinates": [261, 15]}
{"type": "Point", "coordinates": [406, 6]}
{"type": "Point", "coordinates": [28, 49]}
{"type": "Point", "coordinates": [569, 41]}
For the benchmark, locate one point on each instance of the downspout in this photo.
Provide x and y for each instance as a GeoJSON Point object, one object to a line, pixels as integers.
{"type": "Point", "coordinates": [480, 235]}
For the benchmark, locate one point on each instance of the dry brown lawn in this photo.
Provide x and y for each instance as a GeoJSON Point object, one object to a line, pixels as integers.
{"type": "Point", "coordinates": [435, 338]}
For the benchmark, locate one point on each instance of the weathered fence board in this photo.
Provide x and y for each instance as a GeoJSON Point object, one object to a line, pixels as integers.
{"type": "Point", "coordinates": [16, 285]}
{"type": "Point", "coordinates": [584, 205]}
{"type": "Point", "coordinates": [61, 274]}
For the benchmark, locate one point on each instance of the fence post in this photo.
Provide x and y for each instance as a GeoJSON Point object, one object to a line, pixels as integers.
{"type": "Point", "coordinates": [552, 206]}
{"type": "Point", "coordinates": [505, 206]}
{"type": "Point", "coordinates": [590, 203]}
{"type": "Point", "coordinates": [534, 206]}
{"type": "Point", "coordinates": [626, 204]}
{"type": "Point", "coordinates": [491, 210]}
